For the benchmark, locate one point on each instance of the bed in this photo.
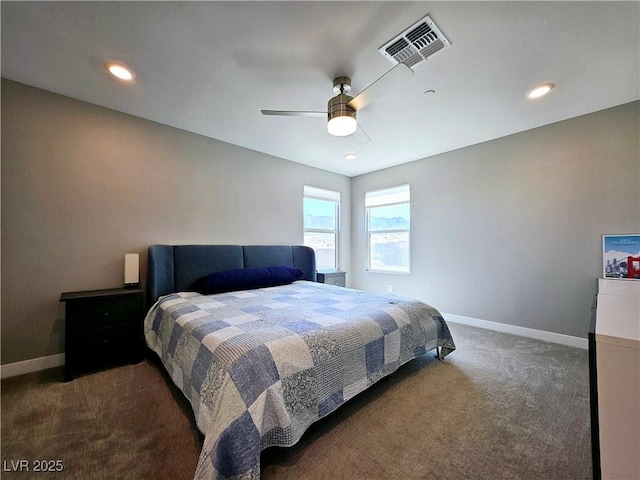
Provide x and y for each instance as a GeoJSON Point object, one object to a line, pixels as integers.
{"type": "Point", "coordinates": [262, 351]}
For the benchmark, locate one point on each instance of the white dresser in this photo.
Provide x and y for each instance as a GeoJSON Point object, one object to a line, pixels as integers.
{"type": "Point", "coordinates": [617, 360]}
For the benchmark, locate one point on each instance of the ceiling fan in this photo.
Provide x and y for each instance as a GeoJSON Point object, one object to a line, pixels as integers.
{"type": "Point", "coordinates": [342, 109]}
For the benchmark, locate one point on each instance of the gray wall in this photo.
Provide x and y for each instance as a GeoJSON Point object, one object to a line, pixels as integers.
{"type": "Point", "coordinates": [510, 230]}
{"type": "Point", "coordinates": [507, 231]}
{"type": "Point", "coordinates": [83, 185]}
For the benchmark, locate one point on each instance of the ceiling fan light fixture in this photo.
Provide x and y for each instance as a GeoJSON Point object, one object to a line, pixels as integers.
{"type": "Point", "coordinates": [342, 118]}
{"type": "Point", "coordinates": [342, 126]}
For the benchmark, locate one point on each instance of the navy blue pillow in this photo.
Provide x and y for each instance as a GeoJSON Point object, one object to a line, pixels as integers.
{"type": "Point", "coordinates": [246, 279]}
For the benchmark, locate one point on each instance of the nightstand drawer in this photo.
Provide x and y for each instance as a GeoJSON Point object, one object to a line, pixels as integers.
{"type": "Point", "coordinates": [103, 312]}
{"type": "Point", "coordinates": [116, 338]}
{"type": "Point", "coordinates": [106, 346]}
{"type": "Point", "coordinates": [335, 280]}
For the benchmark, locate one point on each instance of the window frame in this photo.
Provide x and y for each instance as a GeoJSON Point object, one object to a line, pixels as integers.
{"type": "Point", "coordinates": [369, 205]}
{"type": "Point", "coordinates": [325, 195]}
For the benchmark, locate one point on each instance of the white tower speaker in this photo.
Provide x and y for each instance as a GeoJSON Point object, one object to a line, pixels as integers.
{"type": "Point", "coordinates": [131, 270]}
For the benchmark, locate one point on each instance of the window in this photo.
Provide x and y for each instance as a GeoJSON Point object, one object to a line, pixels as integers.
{"type": "Point", "coordinates": [388, 214]}
{"type": "Point", "coordinates": [322, 224]}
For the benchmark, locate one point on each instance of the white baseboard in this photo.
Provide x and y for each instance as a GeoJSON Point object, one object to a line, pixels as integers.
{"type": "Point", "coordinates": [522, 331]}
{"type": "Point", "coordinates": [33, 365]}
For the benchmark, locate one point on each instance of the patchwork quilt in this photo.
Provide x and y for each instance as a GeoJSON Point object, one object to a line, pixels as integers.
{"type": "Point", "coordinates": [260, 366]}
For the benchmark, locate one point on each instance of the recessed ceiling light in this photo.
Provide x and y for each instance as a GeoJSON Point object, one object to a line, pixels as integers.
{"type": "Point", "coordinates": [350, 156]}
{"type": "Point", "coordinates": [540, 90]}
{"type": "Point", "coordinates": [120, 71]}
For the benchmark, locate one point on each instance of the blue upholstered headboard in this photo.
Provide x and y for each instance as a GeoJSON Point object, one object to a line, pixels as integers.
{"type": "Point", "coordinates": [173, 268]}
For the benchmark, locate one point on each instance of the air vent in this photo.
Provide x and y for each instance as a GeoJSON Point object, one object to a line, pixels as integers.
{"type": "Point", "coordinates": [415, 44]}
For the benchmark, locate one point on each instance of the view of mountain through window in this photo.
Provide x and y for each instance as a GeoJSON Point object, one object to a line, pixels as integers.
{"type": "Point", "coordinates": [388, 227]}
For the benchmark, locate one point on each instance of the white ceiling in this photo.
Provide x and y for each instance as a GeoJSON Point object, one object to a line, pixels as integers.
{"type": "Point", "coordinates": [210, 67]}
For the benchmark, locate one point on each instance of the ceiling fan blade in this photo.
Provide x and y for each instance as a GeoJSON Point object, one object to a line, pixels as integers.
{"type": "Point", "coordinates": [293, 113]}
{"type": "Point", "coordinates": [382, 85]}
{"type": "Point", "coordinates": [362, 138]}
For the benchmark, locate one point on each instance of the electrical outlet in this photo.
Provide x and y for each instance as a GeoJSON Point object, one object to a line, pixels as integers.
{"type": "Point", "coordinates": [390, 288]}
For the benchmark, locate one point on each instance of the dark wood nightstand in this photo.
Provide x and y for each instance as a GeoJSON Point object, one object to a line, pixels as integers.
{"type": "Point", "coordinates": [102, 328]}
{"type": "Point", "coordinates": [332, 277]}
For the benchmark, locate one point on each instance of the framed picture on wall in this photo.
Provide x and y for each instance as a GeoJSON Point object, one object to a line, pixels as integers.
{"type": "Point", "coordinates": [621, 256]}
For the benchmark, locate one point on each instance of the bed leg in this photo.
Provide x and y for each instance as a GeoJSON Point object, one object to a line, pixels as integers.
{"type": "Point", "coordinates": [438, 353]}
